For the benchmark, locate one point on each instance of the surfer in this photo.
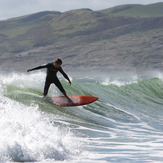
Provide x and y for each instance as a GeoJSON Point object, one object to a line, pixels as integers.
{"type": "Point", "coordinates": [51, 77]}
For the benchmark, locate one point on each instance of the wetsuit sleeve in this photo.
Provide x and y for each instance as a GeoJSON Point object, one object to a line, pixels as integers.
{"type": "Point", "coordinates": [40, 67]}
{"type": "Point", "coordinates": [64, 74]}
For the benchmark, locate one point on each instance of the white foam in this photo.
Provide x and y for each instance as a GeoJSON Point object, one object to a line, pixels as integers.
{"type": "Point", "coordinates": [118, 82]}
{"type": "Point", "coordinates": [27, 134]}
{"type": "Point", "coordinates": [35, 79]}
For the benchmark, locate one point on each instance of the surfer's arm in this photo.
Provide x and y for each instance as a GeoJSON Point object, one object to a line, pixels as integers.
{"type": "Point", "coordinates": [65, 75]}
{"type": "Point", "coordinates": [37, 68]}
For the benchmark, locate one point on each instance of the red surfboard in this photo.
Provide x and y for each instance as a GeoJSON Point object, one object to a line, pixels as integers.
{"type": "Point", "coordinates": [74, 100]}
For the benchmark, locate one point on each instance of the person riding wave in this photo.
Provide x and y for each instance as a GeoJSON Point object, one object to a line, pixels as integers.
{"type": "Point", "coordinates": [51, 77]}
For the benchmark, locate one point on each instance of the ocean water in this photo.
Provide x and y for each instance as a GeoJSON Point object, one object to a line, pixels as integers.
{"type": "Point", "coordinates": [124, 125]}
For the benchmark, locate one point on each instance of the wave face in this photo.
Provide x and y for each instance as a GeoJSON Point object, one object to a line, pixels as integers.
{"type": "Point", "coordinates": [124, 125]}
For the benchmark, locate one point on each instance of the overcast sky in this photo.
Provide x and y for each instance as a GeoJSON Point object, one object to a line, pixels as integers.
{"type": "Point", "coordinates": [15, 8]}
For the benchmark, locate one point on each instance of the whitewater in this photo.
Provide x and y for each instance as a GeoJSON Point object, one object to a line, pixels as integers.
{"type": "Point", "coordinates": [124, 125]}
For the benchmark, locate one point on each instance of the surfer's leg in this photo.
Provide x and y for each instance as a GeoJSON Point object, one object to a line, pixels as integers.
{"type": "Point", "coordinates": [46, 88]}
{"type": "Point", "coordinates": [60, 87]}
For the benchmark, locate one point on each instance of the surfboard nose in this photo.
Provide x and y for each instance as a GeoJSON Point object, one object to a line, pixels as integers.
{"type": "Point", "coordinates": [88, 99]}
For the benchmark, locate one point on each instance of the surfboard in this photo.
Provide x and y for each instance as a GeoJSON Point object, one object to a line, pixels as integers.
{"type": "Point", "coordinates": [74, 100]}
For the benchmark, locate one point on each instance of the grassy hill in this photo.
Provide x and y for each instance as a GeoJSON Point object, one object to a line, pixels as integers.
{"type": "Point", "coordinates": [152, 10]}
{"type": "Point", "coordinates": [79, 35]}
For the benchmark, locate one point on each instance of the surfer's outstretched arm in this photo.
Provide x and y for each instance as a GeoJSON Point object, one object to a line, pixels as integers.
{"type": "Point", "coordinates": [37, 68]}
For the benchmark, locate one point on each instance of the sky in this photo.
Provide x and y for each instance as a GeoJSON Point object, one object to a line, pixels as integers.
{"type": "Point", "coordinates": [16, 8]}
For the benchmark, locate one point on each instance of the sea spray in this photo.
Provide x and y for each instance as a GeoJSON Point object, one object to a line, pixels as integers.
{"type": "Point", "coordinates": [26, 134]}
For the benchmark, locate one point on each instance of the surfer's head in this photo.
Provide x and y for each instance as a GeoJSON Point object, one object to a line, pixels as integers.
{"type": "Point", "coordinates": [58, 63]}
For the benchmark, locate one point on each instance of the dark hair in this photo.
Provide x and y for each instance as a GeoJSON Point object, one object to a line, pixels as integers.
{"type": "Point", "coordinates": [58, 61]}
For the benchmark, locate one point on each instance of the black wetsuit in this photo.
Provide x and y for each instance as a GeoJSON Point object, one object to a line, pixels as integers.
{"type": "Point", "coordinates": [52, 77]}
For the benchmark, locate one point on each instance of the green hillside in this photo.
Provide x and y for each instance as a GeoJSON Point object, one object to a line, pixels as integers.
{"type": "Point", "coordinates": [152, 10]}
{"type": "Point", "coordinates": [41, 29]}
